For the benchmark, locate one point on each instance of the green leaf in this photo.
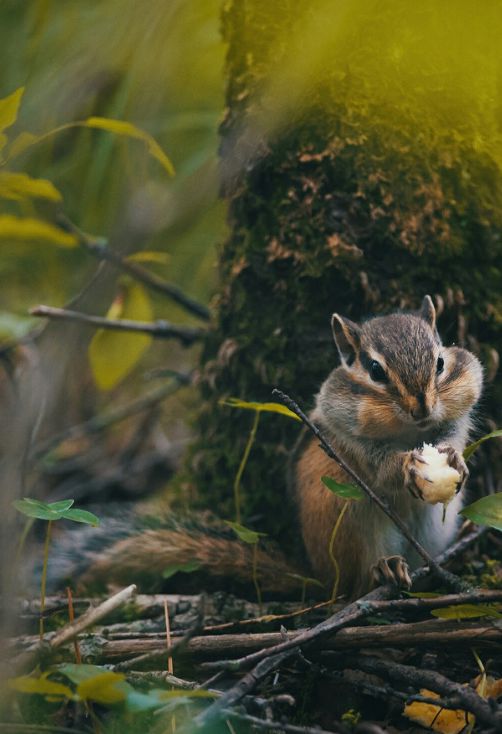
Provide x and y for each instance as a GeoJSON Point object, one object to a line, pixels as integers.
{"type": "Point", "coordinates": [120, 127]}
{"type": "Point", "coordinates": [259, 407]}
{"type": "Point", "coordinates": [60, 506]}
{"type": "Point", "coordinates": [307, 580]}
{"type": "Point", "coordinates": [80, 672]}
{"type": "Point", "coordinates": [181, 568]}
{"type": "Point", "coordinates": [347, 491]}
{"type": "Point", "coordinates": [245, 534]}
{"type": "Point", "coordinates": [19, 186]}
{"type": "Point", "coordinates": [486, 511]}
{"type": "Point", "coordinates": [41, 686]}
{"type": "Point", "coordinates": [468, 452]}
{"type": "Point", "coordinates": [113, 354]}
{"type": "Point", "coordinates": [9, 107]}
{"type": "Point", "coordinates": [37, 509]}
{"type": "Point", "coordinates": [81, 516]}
{"type": "Point", "coordinates": [466, 611]}
{"type": "Point", "coordinates": [30, 229]}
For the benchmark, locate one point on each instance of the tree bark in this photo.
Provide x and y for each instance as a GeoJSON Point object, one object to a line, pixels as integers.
{"type": "Point", "coordinates": [350, 189]}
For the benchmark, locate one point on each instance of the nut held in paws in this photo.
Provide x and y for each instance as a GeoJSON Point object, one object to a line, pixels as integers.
{"type": "Point", "coordinates": [443, 477]}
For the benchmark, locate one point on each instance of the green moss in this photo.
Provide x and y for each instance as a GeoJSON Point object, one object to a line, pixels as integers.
{"type": "Point", "coordinates": [345, 208]}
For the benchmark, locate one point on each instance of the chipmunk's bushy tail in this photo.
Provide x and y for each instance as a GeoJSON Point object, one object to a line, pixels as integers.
{"type": "Point", "coordinates": [139, 549]}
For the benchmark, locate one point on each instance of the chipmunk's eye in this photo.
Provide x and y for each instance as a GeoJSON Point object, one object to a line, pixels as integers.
{"type": "Point", "coordinates": [440, 365]}
{"type": "Point", "coordinates": [377, 372]}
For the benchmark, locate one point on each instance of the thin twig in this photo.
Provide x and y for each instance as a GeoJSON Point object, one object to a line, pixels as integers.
{"type": "Point", "coordinates": [86, 620]}
{"type": "Point", "coordinates": [268, 724]}
{"type": "Point", "coordinates": [266, 661]}
{"type": "Point", "coordinates": [71, 616]}
{"type": "Point", "coordinates": [432, 680]}
{"type": "Point", "coordinates": [99, 248]}
{"type": "Point", "coordinates": [170, 666]}
{"type": "Point", "coordinates": [160, 329]}
{"type": "Point", "coordinates": [449, 579]}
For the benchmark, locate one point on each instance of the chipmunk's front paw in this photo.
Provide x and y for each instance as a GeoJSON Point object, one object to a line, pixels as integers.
{"type": "Point", "coordinates": [456, 461]}
{"type": "Point", "coordinates": [415, 472]}
{"type": "Point", "coordinates": [392, 570]}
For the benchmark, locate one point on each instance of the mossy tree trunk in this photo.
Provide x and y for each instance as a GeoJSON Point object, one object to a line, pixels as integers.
{"type": "Point", "coordinates": [340, 199]}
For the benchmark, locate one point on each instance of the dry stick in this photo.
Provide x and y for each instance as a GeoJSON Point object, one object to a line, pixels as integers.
{"type": "Point", "coordinates": [269, 660]}
{"type": "Point", "coordinates": [170, 667]}
{"type": "Point", "coordinates": [100, 422]}
{"type": "Point", "coordinates": [448, 578]}
{"type": "Point", "coordinates": [101, 250]}
{"type": "Point", "coordinates": [160, 329]}
{"type": "Point", "coordinates": [89, 618]}
{"type": "Point", "coordinates": [71, 615]}
{"type": "Point", "coordinates": [407, 674]}
{"type": "Point", "coordinates": [279, 725]}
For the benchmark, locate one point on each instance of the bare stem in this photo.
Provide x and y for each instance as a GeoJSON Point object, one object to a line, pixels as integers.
{"type": "Point", "coordinates": [43, 583]}
{"type": "Point", "coordinates": [242, 466]}
{"type": "Point", "coordinates": [338, 522]}
{"type": "Point", "coordinates": [159, 329]}
{"type": "Point", "coordinates": [255, 576]}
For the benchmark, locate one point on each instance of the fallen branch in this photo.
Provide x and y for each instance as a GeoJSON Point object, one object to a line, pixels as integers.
{"type": "Point", "coordinates": [447, 578]}
{"type": "Point", "coordinates": [270, 725]}
{"type": "Point", "coordinates": [159, 329]}
{"type": "Point", "coordinates": [70, 631]}
{"type": "Point", "coordinates": [266, 661]}
{"type": "Point", "coordinates": [400, 674]}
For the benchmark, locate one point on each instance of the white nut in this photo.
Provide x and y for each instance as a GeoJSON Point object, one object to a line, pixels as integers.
{"type": "Point", "coordinates": [443, 477]}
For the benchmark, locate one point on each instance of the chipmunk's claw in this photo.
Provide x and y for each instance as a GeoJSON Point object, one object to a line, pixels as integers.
{"type": "Point", "coordinates": [413, 470]}
{"type": "Point", "coordinates": [392, 570]}
{"type": "Point", "coordinates": [456, 461]}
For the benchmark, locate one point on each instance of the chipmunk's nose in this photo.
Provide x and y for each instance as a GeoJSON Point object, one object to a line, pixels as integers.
{"type": "Point", "coordinates": [420, 409]}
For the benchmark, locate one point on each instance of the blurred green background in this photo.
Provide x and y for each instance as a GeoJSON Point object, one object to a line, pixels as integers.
{"type": "Point", "coordinates": [157, 64]}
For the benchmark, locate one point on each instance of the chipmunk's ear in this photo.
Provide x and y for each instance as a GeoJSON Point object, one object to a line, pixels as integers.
{"type": "Point", "coordinates": [428, 312]}
{"type": "Point", "coordinates": [347, 338]}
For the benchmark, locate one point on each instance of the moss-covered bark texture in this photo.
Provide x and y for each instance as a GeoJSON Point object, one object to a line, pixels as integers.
{"type": "Point", "coordinates": [341, 200]}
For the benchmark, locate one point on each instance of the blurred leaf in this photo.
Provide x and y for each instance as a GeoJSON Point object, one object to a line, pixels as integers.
{"type": "Point", "coordinates": [466, 611]}
{"type": "Point", "coordinates": [307, 580]}
{"type": "Point", "coordinates": [181, 568]}
{"type": "Point", "coordinates": [150, 256]}
{"type": "Point", "coordinates": [245, 534]}
{"type": "Point", "coordinates": [29, 229]}
{"type": "Point", "coordinates": [37, 509]}
{"type": "Point", "coordinates": [120, 127]}
{"type": "Point", "coordinates": [347, 491]}
{"type": "Point", "coordinates": [18, 186]}
{"type": "Point", "coordinates": [105, 687]}
{"type": "Point", "coordinates": [42, 686]}
{"type": "Point", "coordinates": [468, 452]}
{"type": "Point", "coordinates": [60, 506]}
{"type": "Point", "coordinates": [13, 326]}
{"type": "Point", "coordinates": [81, 516]}
{"type": "Point", "coordinates": [23, 141]}
{"type": "Point", "coordinates": [113, 354]}
{"type": "Point", "coordinates": [79, 672]}
{"type": "Point", "coordinates": [486, 511]}
{"type": "Point", "coordinates": [259, 407]}
{"type": "Point", "coordinates": [9, 107]}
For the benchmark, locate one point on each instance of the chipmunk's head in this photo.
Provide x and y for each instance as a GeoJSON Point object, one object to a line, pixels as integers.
{"type": "Point", "coordinates": [400, 376]}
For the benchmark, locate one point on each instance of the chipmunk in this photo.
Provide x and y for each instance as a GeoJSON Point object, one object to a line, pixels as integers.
{"type": "Point", "coordinates": [396, 388]}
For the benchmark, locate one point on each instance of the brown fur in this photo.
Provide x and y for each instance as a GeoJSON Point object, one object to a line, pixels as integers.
{"type": "Point", "coordinates": [142, 559]}
{"type": "Point", "coordinates": [375, 424]}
